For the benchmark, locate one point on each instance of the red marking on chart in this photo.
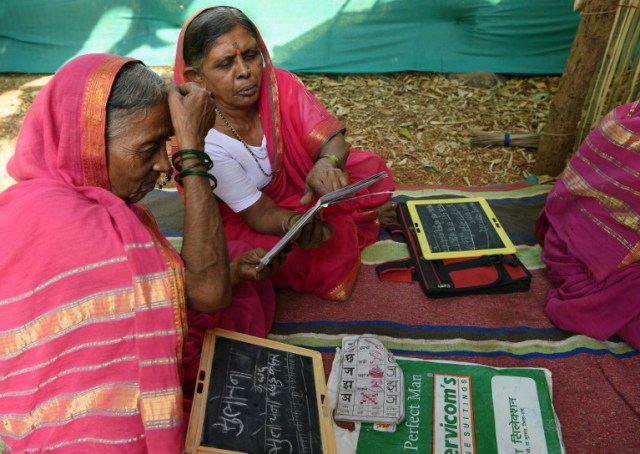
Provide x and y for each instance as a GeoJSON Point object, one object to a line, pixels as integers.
{"type": "Point", "coordinates": [366, 397]}
{"type": "Point", "coordinates": [377, 355]}
{"type": "Point", "coordinates": [375, 344]}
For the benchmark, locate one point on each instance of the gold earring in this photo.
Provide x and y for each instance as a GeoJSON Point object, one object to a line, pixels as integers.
{"type": "Point", "coordinates": [166, 178]}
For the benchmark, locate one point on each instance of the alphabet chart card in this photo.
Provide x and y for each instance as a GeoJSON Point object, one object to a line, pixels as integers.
{"type": "Point", "coordinates": [371, 386]}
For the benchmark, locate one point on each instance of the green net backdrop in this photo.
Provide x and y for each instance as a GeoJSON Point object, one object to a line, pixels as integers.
{"type": "Point", "coordinates": [324, 36]}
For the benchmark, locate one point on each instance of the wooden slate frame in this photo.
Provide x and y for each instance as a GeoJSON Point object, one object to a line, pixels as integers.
{"type": "Point", "coordinates": [198, 410]}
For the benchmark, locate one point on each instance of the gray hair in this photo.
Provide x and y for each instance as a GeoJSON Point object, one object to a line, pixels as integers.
{"type": "Point", "coordinates": [207, 27]}
{"type": "Point", "coordinates": [135, 89]}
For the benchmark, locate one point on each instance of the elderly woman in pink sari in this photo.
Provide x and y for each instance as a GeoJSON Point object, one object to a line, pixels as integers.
{"type": "Point", "coordinates": [94, 347]}
{"type": "Point", "coordinates": [276, 148]}
{"type": "Point", "coordinates": [590, 233]}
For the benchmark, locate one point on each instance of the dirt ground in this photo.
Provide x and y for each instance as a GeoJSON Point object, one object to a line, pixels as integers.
{"type": "Point", "coordinates": [422, 124]}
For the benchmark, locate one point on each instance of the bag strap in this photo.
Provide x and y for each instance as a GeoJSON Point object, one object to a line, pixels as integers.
{"type": "Point", "coordinates": [402, 270]}
{"type": "Point", "coordinates": [422, 270]}
{"type": "Point", "coordinates": [425, 272]}
{"type": "Point", "coordinates": [397, 271]}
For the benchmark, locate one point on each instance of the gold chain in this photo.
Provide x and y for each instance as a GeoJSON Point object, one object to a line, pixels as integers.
{"type": "Point", "coordinates": [235, 133]}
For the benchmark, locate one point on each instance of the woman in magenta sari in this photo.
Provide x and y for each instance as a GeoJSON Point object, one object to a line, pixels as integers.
{"type": "Point", "coordinates": [276, 148]}
{"type": "Point", "coordinates": [590, 233]}
{"type": "Point", "coordinates": [93, 299]}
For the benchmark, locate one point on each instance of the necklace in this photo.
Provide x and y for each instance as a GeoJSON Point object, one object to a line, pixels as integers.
{"type": "Point", "coordinates": [235, 133]}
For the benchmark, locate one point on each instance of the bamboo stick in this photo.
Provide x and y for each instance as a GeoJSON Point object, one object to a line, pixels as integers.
{"type": "Point", "coordinates": [617, 80]}
{"type": "Point", "coordinates": [502, 139]}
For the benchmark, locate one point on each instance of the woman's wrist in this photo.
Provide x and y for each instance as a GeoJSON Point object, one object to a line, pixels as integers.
{"type": "Point", "coordinates": [339, 164]}
{"type": "Point", "coordinates": [234, 274]}
{"type": "Point", "coordinates": [188, 141]}
{"type": "Point", "coordinates": [288, 221]}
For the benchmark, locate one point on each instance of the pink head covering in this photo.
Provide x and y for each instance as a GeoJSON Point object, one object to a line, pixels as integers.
{"type": "Point", "coordinates": [62, 137]}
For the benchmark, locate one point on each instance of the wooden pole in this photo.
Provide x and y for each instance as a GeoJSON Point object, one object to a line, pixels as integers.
{"type": "Point", "coordinates": [558, 136]}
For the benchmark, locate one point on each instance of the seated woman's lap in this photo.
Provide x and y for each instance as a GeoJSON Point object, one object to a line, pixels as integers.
{"type": "Point", "coordinates": [580, 304]}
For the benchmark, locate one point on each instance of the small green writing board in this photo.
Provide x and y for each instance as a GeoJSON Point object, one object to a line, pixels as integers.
{"type": "Point", "coordinates": [455, 228]}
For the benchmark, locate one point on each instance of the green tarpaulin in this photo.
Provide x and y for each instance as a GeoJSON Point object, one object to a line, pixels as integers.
{"type": "Point", "coordinates": [328, 36]}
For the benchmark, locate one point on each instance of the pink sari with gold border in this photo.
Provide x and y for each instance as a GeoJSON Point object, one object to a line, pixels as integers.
{"type": "Point", "coordinates": [296, 125]}
{"type": "Point", "coordinates": [92, 309]}
{"type": "Point", "coordinates": [94, 347]}
{"type": "Point", "coordinates": [590, 232]}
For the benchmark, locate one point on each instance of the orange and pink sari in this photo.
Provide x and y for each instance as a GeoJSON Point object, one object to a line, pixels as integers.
{"type": "Point", "coordinates": [296, 125]}
{"type": "Point", "coordinates": [93, 333]}
{"type": "Point", "coordinates": [590, 232]}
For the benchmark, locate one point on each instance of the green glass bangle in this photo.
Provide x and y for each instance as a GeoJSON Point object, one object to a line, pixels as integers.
{"type": "Point", "coordinates": [200, 173]}
{"type": "Point", "coordinates": [205, 161]}
{"type": "Point", "coordinates": [336, 160]}
{"type": "Point", "coordinates": [190, 153]}
{"type": "Point", "coordinates": [197, 166]}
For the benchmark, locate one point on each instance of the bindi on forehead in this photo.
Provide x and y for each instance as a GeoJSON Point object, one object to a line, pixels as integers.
{"type": "Point", "coordinates": [236, 47]}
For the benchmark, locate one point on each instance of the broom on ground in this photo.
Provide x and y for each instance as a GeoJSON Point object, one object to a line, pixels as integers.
{"type": "Point", "coordinates": [518, 139]}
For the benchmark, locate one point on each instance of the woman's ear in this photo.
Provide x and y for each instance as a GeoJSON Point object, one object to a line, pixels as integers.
{"type": "Point", "coordinates": [192, 75]}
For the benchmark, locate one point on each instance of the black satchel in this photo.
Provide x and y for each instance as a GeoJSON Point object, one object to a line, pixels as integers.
{"type": "Point", "coordinates": [486, 274]}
